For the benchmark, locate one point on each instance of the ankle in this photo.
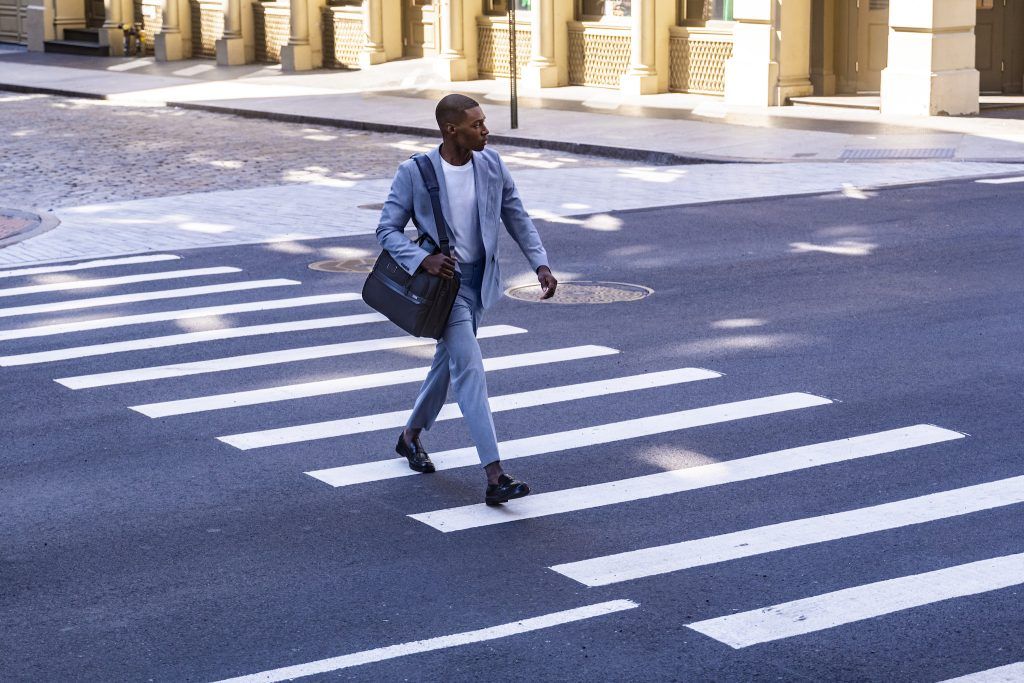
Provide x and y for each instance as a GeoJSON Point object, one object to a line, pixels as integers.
{"type": "Point", "coordinates": [494, 472]}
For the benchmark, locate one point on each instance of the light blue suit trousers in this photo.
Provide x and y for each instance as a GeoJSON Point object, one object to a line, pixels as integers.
{"type": "Point", "coordinates": [457, 360]}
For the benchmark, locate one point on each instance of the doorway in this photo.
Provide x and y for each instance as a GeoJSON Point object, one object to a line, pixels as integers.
{"type": "Point", "coordinates": [418, 28]}
{"type": "Point", "coordinates": [95, 13]}
{"type": "Point", "coordinates": [998, 55]}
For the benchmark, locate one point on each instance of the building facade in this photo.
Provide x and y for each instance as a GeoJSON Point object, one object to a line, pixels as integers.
{"type": "Point", "coordinates": [922, 56]}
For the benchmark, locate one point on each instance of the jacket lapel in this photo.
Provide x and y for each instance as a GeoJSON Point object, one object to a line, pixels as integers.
{"type": "Point", "coordinates": [483, 190]}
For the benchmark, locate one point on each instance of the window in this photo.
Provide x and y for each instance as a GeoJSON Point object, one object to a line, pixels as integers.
{"type": "Point", "coordinates": [699, 11]}
{"type": "Point", "coordinates": [594, 10]}
{"type": "Point", "coordinates": [500, 7]}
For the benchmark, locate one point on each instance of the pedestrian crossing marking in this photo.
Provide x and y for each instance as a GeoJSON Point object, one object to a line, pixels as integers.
{"type": "Point", "coordinates": [89, 265]}
{"type": "Point", "coordinates": [638, 564]}
{"type": "Point", "coordinates": [381, 654]}
{"type": "Point", "coordinates": [78, 304]}
{"type": "Point", "coordinates": [380, 470]}
{"type": "Point", "coordinates": [678, 481]}
{"type": "Point", "coordinates": [1001, 181]}
{"type": "Point", "coordinates": [829, 610]}
{"type": "Point", "coordinates": [1011, 673]}
{"type": "Point", "coordinates": [188, 338]}
{"type": "Point", "coordinates": [114, 281]}
{"type": "Point", "coordinates": [344, 384]}
{"type": "Point", "coordinates": [253, 360]}
{"type": "Point", "coordinates": [185, 314]}
{"type": "Point", "coordinates": [450, 411]}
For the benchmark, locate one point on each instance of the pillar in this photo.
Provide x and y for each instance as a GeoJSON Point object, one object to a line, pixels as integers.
{"type": "Point", "coordinates": [231, 46]}
{"type": "Point", "coordinates": [771, 52]}
{"type": "Point", "coordinates": [111, 33]}
{"type": "Point", "coordinates": [642, 77]}
{"type": "Point", "coordinates": [541, 71]}
{"type": "Point", "coordinates": [823, 47]}
{"type": "Point", "coordinates": [168, 44]}
{"type": "Point", "coordinates": [373, 26]}
{"type": "Point", "coordinates": [930, 68]}
{"type": "Point", "coordinates": [452, 62]}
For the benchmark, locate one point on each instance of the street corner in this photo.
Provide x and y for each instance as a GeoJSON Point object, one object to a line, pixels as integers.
{"type": "Point", "coordinates": [18, 224]}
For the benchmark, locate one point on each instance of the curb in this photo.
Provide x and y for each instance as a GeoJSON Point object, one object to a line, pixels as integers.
{"type": "Point", "coordinates": [624, 153]}
{"type": "Point", "coordinates": [44, 222]}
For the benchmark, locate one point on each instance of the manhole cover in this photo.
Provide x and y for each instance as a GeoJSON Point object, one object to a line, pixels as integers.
{"type": "Point", "coordinates": [584, 293]}
{"type": "Point", "coordinates": [355, 265]}
{"type": "Point", "coordinates": [371, 207]}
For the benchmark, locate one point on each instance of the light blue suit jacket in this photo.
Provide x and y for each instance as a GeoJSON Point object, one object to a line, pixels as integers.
{"type": "Point", "coordinates": [497, 201]}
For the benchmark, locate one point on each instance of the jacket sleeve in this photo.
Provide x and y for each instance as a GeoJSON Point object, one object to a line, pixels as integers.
{"type": "Point", "coordinates": [518, 222]}
{"type": "Point", "coordinates": [398, 209]}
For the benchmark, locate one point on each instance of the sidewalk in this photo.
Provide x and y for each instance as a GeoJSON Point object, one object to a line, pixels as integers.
{"type": "Point", "coordinates": [400, 96]}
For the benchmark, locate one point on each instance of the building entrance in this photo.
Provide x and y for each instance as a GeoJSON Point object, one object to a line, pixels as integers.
{"type": "Point", "coordinates": [12, 21]}
{"type": "Point", "coordinates": [418, 28]}
{"type": "Point", "coordinates": [95, 13]}
{"type": "Point", "coordinates": [998, 55]}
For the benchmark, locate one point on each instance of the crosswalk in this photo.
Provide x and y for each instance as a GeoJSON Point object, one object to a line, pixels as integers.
{"type": "Point", "coordinates": [59, 345]}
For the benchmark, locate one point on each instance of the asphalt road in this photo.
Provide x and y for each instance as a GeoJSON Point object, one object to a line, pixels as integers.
{"type": "Point", "coordinates": [140, 548]}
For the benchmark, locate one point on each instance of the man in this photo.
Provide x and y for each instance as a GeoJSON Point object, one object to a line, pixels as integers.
{"type": "Point", "coordinates": [476, 192]}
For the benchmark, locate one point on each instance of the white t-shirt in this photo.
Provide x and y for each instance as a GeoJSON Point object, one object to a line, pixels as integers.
{"type": "Point", "coordinates": [461, 185]}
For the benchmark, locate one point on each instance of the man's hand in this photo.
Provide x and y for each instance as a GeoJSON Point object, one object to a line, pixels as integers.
{"type": "Point", "coordinates": [548, 283]}
{"type": "Point", "coordinates": [439, 264]}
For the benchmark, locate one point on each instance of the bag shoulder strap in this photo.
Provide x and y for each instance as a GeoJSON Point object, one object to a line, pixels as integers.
{"type": "Point", "coordinates": [430, 180]}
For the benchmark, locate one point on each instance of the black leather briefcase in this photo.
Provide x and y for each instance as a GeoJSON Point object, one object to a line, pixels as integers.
{"type": "Point", "coordinates": [420, 303]}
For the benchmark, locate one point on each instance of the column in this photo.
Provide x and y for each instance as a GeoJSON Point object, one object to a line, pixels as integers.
{"type": "Point", "coordinates": [231, 46]}
{"type": "Point", "coordinates": [823, 75]}
{"type": "Point", "coordinates": [111, 33]}
{"type": "Point", "coordinates": [168, 43]}
{"type": "Point", "coordinates": [642, 76]}
{"type": "Point", "coordinates": [373, 26]}
{"type": "Point", "coordinates": [305, 48]}
{"type": "Point", "coordinates": [771, 52]}
{"type": "Point", "coordinates": [930, 68]}
{"type": "Point", "coordinates": [452, 63]}
{"type": "Point", "coordinates": [541, 71]}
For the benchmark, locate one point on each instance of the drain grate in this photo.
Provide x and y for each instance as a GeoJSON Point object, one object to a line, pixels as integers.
{"type": "Point", "coordinates": [583, 292]}
{"type": "Point", "coordinates": [355, 265]}
{"type": "Point", "coordinates": [889, 153]}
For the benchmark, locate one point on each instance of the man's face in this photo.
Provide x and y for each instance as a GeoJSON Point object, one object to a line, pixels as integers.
{"type": "Point", "coordinates": [471, 133]}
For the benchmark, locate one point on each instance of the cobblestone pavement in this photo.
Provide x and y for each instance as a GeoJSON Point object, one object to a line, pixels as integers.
{"type": "Point", "coordinates": [60, 151]}
{"type": "Point", "coordinates": [129, 179]}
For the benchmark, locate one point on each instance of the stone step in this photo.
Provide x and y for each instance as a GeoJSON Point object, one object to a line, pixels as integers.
{"type": "Point", "coordinates": [76, 47]}
{"type": "Point", "coordinates": [82, 35]}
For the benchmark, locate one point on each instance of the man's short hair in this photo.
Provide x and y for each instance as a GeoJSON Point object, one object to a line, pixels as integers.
{"type": "Point", "coordinates": [452, 109]}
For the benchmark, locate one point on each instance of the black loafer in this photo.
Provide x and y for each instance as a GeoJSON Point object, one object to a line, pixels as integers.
{"type": "Point", "coordinates": [505, 490]}
{"type": "Point", "coordinates": [417, 457]}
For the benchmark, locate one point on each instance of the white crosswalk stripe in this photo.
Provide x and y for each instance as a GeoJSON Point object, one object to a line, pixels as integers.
{"type": "Point", "coordinates": [584, 437]}
{"type": "Point", "coordinates": [369, 423]}
{"type": "Point", "coordinates": [188, 338]}
{"type": "Point", "coordinates": [637, 564]}
{"type": "Point", "coordinates": [689, 479]}
{"type": "Point", "coordinates": [344, 384]}
{"type": "Point", "coordinates": [1011, 673]}
{"type": "Point", "coordinates": [117, 299]}
{"type": "Point", "coordinates": [254, 360]}
{"type": "Point", "coordinates": [163, 316]}
{"type": "Point", "coordinates": [96, 283]}
{"type": "Point", "coordinates": [830, 610]}
{"type": "Point", "coordinates": [88, 265]}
